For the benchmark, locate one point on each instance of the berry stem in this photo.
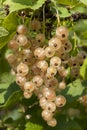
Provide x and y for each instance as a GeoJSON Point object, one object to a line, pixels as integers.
{"type": "Point", "coordinates": [44, 19]}
{"type": "Point", "coordinates": [57, 12]}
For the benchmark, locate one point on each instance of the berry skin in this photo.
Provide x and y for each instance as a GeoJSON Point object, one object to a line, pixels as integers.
{"type": "Point", "coordinates": [13, 45]}
{"type": "Point", "coordinates": [35, 25]}
{"type": "Point", "coordinates": [22, 69]}
{"type": "Point", "coordinates": [67, 46]}
{"type": "Point", "coordinates": [40, 38]}
{"type": "Point", "coordinates": [62, 85]}
{"type": "Point", "coordinates": [60, 101]}
{"type": "Point", "coordinates": [37, 80]}
{"type": "Point", "coordinates": [22, 29]}
{"type": "Point", "coordinates": [29, 86]}
{"type": "Point", "coordinates": [20, 80]}
{"type": "Point", "coordinates": [51, 107]}
{"type": "Point", "coordinates": [49, 52]}
{"type": "Point", "coordinates": [49, 94]}
{"type": "Point", "coordinates": [43, 65]}
{"type": "Point", "coordinates": [11, 58]}
{"type": "Point", "coordinates": [46, 115]}
{"type": "Point", "coordinates": [82, 55]}
{"type": "Point", "coordinates": [39, 53]}
{"type": "Point", "coordinates": [43, 102]}
{"type": "Point", "coordinates": [51, 71]}
{"type": "Point", "coordinates": [75, 71]}
{"type": "Point", "coordinates": [73, 61]}
{"type": "Point", "coordinates": [52, 122]}
{"type": "Point", "coordinates": [62, 33]}
{"type": "Point", "coordinates": [27, 95]}
{"type": "Point", "coordinates": [22, 40]}
{"type": "Point", "coordinates": [55, 61]}
{"type": "Point", "coordinates": [55, 43]}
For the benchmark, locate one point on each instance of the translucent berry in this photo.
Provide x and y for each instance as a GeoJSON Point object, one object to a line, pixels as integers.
{"type": "Point", "coordinates": [82, 55]}
{"type": "Point", "coordinates": [46, 115]}
{"type": "Point", "coordinates": [13, 45]}
{"type": "Point", "coordinates": [55, 61]}
{"type": "Point", "coordinates": [40, 38]}
{"type": "Point", "coordinates": [51, 107]}
{"type": "Point", "coordinates": [39, 53]}
{"type": "Point", "coordinates": [75, 71]}
{"type": "Point", "coordinates": [27, 95]}
{"type": "Point", "coordinates": [43, 102]}
{"type": "Point", "coordinates": [52, 122]}
{"type": "Point", "coordinates": [62, 85]}
{"type": "Point", "coordinates": [49, 52]}
{"type": "Point", "coordinates": [37, 80]}
{"type": "Point", "coordinates": [67, 45]}
{"type": "Point", "coordinates": [29, 86]}
{"type": "Point", "coordinates": [49, 94]}
{"type": "Point", "coordinates": [22, 69]}
{"type": "Point", "coordinates": [35, 25]}
{"type": "Point", "coordinates": [22, 40]}
{"type": "Point", "coordinates": [55, 43]}
{"type": "Point", "coordinates": [60, 101]}
{"type": "Point", "coordinates": [62, 33]}
{"type": "Point", "coordinates": [51, 71]}
{"type": "Point", "coordinates": [20, 80]}
{"type": "Point", "coordinates": [43, 65]}
{"type": "Point", "coordinates": [11, 58]}
{"type": "Point", "coordinates": [21, 29]}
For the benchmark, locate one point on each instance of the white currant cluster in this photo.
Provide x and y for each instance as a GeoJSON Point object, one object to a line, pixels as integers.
{"type": "Point", "coordinates": [38, 65]}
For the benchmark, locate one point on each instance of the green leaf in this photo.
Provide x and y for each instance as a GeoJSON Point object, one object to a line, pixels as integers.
{"type": "Point", "coordinates": [81, 29]}
{"type": "Point", "coordinates": [3, 32]}
{"type": "Point", "coordinates": [84, 1]}
{"type": "Point", "coordinates": [6, 80]}
{"type": "Point", "coordinates": [33, 126]}
{"type": "Point", "coordinates": [81, 8]}
{"type": "Point", "coordinates": [2, 100]}
{"type": "Point", "coordinates": [83, 70]}
{"type": "Point", "coordinates": [68, 2]}
{"type": "Point", "coordinates": [13, 99]}
{"type": "Point", "coordinates": [22, 4]}
{"type": "Point", "coordinates": [11, 22]}
{"type": "Point", "coordinates": [63, 12]}
{"type": "Point", "coordinates": [75, 89]}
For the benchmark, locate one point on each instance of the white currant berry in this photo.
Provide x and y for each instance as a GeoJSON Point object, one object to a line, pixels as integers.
{"type": "Point", "coordinates": [35, 25]}
{"type": "Point", "coordinates": [43, 102]}
{"type": "Point", "coordinates": [22, 69]}
{"type": "Point", "coordinates": [13, 45]}
{"type": "Point", "coordinates": [73, 61]}
{"type": "Point", "coordinates": [49, 94]}
{"type": "Point", "coordinates": [27, 95]}
{"type": "Point", "coordinates": [29, 86]}
{"type": "Point", "coordinates": [52, 122]}
{"type": "Point", "coordinates": [75, 71]}
{"type": "Point", "coordinates": [22, 40]}
{"type": "Point", "coordinates": [11, 58]}
{"type": "Point", "coordinates": [67, 45]}
{"type": "Point", "coordinates": [40, 38]}
{"type": "Point", "coordinates": [82, 55]}
{"type": "Point", "coordinates": [46, 115]}
{"type": "Point", "coordinates": [62, 85]}
{"type": "Point", "coordinates": [39, 53]}
{"type": "Point", "coordinates": [62, 32]}
{"type": "Point", "coordinates": [55, 43]}
{"type": "Point", "coordinates": [51, 71]}
{"type": "Point", "coordinates": [55, 61]}
{"type": "Point", "coordinates": [43, 65]}
{"type": "Point", "coordinates": [60, 101]}
{"type": "Point", "coordinates": [20, 80]}
{"type": "Point", "coordinates": [37, 80]}
{"type": "Point", "coordinates": [49, 52]}
{"type": "Point", "coordinates": [51, 107]}
{"type": "Point", "coordinates": [21, 29]}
